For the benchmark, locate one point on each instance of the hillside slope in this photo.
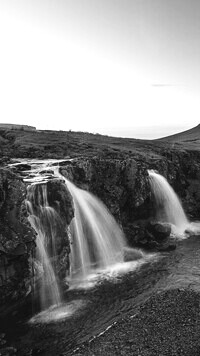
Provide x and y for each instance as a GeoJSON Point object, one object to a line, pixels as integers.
{"type": "Point", "coordinates": [64, 144]}
{"type": "Point", "coordinates": [190, 135]}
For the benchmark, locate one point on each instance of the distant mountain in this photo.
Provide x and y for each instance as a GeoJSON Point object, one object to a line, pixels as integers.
{"type": "Point", "coordinates": [189, 136]}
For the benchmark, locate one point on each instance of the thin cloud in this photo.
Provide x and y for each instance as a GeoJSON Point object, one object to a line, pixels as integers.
{"type": "Point", "coordinates": [167, 85]}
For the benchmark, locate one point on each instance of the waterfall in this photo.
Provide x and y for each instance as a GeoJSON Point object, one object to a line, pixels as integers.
{"type": "Point", "coordinates": [97, 240]}
{"type": "Point", "coordinates": [43, 218]}
{"type": "Point", "coordinates": [168, 206]}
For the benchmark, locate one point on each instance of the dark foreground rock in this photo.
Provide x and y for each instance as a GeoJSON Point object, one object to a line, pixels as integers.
{"type": "Point", "coordinates": [167, 324]}
{"type": "Point", "coordinates": [17, 241]}
{"type": "Point", "coordinates": [159, 230]}
{"type": "Point", "coordinates": [6, 350]}
{"type": "Point", "coordinates": [150, 235]}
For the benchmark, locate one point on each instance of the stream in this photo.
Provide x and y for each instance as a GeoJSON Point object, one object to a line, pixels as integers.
{"type": "Point", "coordinates": [90, 309]}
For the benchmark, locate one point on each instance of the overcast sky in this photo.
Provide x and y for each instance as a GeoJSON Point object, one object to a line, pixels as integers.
{"type": "Point", "coordinates": [121, 67]}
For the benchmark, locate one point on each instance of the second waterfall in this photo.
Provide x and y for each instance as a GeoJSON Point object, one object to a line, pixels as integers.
{"type": "Point", "coordinates": [98, 241]}
{"type": "Point", "coordinates": [168, 206]}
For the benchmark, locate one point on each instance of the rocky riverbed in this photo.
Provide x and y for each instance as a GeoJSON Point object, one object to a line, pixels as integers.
{"type": "Point", "coordinates": [166, 324]}
{"type": "Point", "coordinates": [150, 309]}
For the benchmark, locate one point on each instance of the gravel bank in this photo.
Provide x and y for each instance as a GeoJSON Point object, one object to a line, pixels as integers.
{"type": "Point", "coordinates": [167, 324]}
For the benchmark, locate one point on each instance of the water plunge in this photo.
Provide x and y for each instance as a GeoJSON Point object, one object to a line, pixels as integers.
{"type": "Point", "coordinates": [168, 206]}
{"type": "Point", "coordinates": [44, 218]}
{"type": "Point", "coordinates": [97, 240]}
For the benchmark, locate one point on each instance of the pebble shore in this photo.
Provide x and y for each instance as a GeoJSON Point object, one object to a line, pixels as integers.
{"type": "Point", "coordinates": [167, 324]}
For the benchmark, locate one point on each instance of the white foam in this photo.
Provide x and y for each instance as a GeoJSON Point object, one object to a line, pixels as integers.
{"type": "Point", "coordinates": [56, 313]}
{"type": "Point", "coordinates": [111, 273]}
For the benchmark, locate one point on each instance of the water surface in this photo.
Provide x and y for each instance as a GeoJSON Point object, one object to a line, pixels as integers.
{"type": "Point", "coordinates": [89, 310]}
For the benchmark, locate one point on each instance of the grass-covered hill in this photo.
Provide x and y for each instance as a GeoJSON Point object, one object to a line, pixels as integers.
{"type": "Point", "coordinates": [189, 138]}
{"type": "Point", "coordinates": [62, 144]}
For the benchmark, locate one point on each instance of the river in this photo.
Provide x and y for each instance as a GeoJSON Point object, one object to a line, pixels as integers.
{"type": "Point", "coordinates": [90, 309]}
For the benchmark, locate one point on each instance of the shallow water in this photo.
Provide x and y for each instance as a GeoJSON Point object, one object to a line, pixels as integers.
{"type": "Point", "coordinates": [92, 307]}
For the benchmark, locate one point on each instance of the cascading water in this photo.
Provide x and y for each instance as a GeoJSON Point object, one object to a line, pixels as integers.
{"type": "Point", "coordinates": [168, 205]}
{"type": "Point", "coordinates": [44, 218]}
{"type": "Point", "coordinates": [98, 241]}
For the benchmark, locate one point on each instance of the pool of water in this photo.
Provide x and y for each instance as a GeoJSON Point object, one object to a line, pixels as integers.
{"type": "Point", "coordinates": [92, 306]}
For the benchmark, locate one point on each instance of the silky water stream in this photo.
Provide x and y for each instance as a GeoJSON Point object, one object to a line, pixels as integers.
{"type": "Point", "coordinates": [97, 245]}
{"type": "Point", "coordinates": [169, 207]}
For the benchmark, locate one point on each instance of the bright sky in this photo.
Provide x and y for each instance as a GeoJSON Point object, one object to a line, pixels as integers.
{"type": "Point", "coordinates": [120, 67]}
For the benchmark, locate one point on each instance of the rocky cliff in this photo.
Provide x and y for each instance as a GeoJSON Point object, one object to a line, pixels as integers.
{"type": "Point", "coordinates": [119, 180]}
{"type": "Point", "coordinates": [17, 240]}
{"type": "Point", "coordinates": [123, 185]}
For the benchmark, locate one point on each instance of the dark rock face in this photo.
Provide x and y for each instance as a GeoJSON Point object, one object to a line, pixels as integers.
{"type": "Point", "coordinates": [123, 185]}
{"type": "Point", "coordinates": [60, 199]}
{"type": "Point", "coordinates": [4, 348]}
{"type": "Point", "coordinates": [159, 230]}
{"type": "Point", "coordinates": [17, 240]}
{"type": "Point", "coordinates": [153, 236]}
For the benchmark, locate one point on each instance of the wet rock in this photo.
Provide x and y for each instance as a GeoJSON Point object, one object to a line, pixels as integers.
{"type": "Point", "coordinates": [20, 167]}
{"type": "Point", "coordinates": [167, 247]}
{"type": "Point", "coordinates": [136, 233]}
{"type": "Point", "coordinates": [47, 171]}
{"type": "Point", "coordinates": [60, 199]}
{"type": "Point", "coordinates": [159, 230]}
{"type": "Point", "coordinates": [157, 240]}
{"type": "Point", "coordinates": [132, 254]}
{"type": "Point", "coordinates": [8, 351]}
{"type": "Point", "coordinates": [16, 240]}
{"type": "Point", "coordinates": [2, 342]}
{"type": "Point", "coordinates": [122, 184]}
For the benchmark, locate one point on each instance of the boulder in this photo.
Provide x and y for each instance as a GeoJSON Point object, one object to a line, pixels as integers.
{"type": "Point", "coordinates": [159, 230]}
{"type": "Point", "coordinates": [131, 254]}
{"type": "Point", "coordinates": [151, 236]}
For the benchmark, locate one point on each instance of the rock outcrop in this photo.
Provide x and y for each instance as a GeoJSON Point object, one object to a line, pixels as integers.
{"type": "Point", "coordinates": [123, 185]}
{"type": "Point", "coordinates": [17, 240]}
{"type": "Point", "coordinates": [120, 180]}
